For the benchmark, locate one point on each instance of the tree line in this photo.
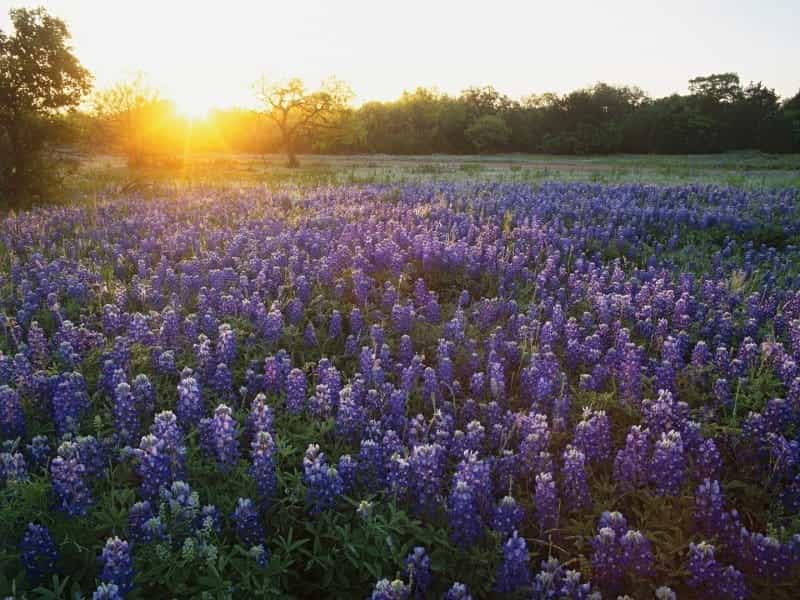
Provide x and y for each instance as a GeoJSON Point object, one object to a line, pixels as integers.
{"type": "Point", "coordinates": [47, 103]}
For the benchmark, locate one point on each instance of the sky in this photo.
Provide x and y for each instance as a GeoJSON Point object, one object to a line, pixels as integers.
{"type": "Point", "coordinates": [206, 53]}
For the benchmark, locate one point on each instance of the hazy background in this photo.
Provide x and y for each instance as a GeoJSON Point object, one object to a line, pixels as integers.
{"type": "Point", "coordinates": [206, 54]}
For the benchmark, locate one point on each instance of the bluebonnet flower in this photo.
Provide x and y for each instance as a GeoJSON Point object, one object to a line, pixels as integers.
{"type": "Point", "coordinates": [335, 325]}
{"type": "Point", "coordinates": [180, 507]}
{"type": "Point", "coordinates": [310, 336]}
{"type": "Point", "coordinates": [534, 442]}
{"type": "Point", "coordinates": [707, 574]}
{"type": "Point", "coordinates": [708, 462]}
{"type": "Point", "coordinates": [546, 501]}
{"type": "Point", "coordinates": [320, 404]}
{"type": "Point", "coordinates": [39, 451]}
{"type": "Point", "coordinates": [273, 326]}
{"type": "Point", "coordinates": [426, 470]}
{"type": "Point", "coordinates": [12, 468]}
{"type": "Point", "coordinates": [593, 435]}
{"type": "Point", "coordinates": [70, 400]}
{"type": "Point", "coordinates": [262, 469]}
{"type": "Point", "coordinates": [417, 570]}
{"type": "Point", "coordinates": [126, 417]}
{"type": "Point", "coordinates": [68, 475]}
{"type": "Point", "coordinates": [117, 565]}
{"type": "Point", "coordinates": [138, 516]}
{"type": "Point", "coordinates": [390, 590]}
{"type": "Point", "coordinates": [260, 417]}
{"type": "Point", "coordinates": [165, 427]}
{"type": "Point", "coordinates": [371, 464]}
{"type": "Point", "coordinates": [665, 593]}
{"type": "Point", "coordinates": [607, 562]}
{"type": "Point", "coordinates": [209, 521]}
{"type": "Point", "coordinates": [667, 467]}
{"type": "Point", "coordinates": [458, 591]}
{"type": "Point", "coordinates": [553, 581]}
{"type": "Point", "coordinates": [222, 381]}
{"type": "Point", "coordinates": [397, 476]}
{"type": "Point", "coordinates": [462, 514]}
{"type": "Point", "coordinates": [145, 394]}
{"type": "Point", "coordinates": [154, 466]}
{"type": "Point", "coordinates": [219, 437]}
{"type": "Point", "coordinates": [631, 465]}
{"type": "Point", "coordinates": [39, 554]}
{"type": "Point", "coordinates": [711, 516]}
{"type": "Point", "coordinates": [637, 556]}
{"type": "Point", "coordinates": [12, 419]}
{"type": "Point", "coordinates": [260, 555]}
{"type": "Point", "coordinates": [356, 321]}
{"type": "Point", "coordinates": [107, 591]}
{"type": "Point", "coordinates": [323, 483]}
{"type": "Point", "coordinates": [514, 572]}
{"type": "Point", "coordinates": [93, 456]}
{"type": "Point", "coordinates": [575, 485]}
{"type": "Point", "coordinates": [350, 417]}
{"type": "Point", "coordinates": [165, 362]}
{"type": "Point", "coordinates": [247, 523]}
{"type": "Point", "coordinates": [226, 344]}
{"type": "Point", "coordinates": [348, 469]}
{"type": "Point", "coordinates": [615, 521]}
{"type": "Point", "coordinates": [189, 408]}
{"type": "Point", "coordinates": [722, 392]}
{"type": "Point", "coordinates": [508, 516]}
{"type": "Point", "coordinates": [295, 391]}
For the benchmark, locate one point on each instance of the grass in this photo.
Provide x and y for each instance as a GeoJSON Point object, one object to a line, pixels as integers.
{"type": "Point", "coordinates": [108, 175]}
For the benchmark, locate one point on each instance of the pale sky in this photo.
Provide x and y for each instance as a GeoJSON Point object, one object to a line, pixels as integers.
{"type": "Point", "coordinates": [204, 54]}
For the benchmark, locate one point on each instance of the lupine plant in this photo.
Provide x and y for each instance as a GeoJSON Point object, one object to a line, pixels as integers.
{"type": "Point", "coordinates": [430, 390]}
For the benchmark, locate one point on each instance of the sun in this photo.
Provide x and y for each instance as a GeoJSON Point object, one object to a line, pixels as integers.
{"type": "Point", "coordinates": [193, 107]}
{"type": "Point", "coordinates": [194, 99]}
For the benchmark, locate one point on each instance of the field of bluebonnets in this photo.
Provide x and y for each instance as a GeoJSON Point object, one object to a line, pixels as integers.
{"type": "Point", "coordinates": [424, 391]}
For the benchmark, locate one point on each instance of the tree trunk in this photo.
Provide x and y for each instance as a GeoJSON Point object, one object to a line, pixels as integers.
{"type": "Point", "coordinates": [19, 163]}
{"type": "Point", "coordinates": [293, 163]}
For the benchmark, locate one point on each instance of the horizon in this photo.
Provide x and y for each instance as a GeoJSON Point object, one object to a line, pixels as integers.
{"type": "Point", "coordinates": [380, 60]}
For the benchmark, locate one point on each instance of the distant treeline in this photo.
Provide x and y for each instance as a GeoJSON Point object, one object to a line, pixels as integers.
{"type": "Point", "coordinates": [47, 103]}
{"type": "Point", "coordinates": [718, 114]}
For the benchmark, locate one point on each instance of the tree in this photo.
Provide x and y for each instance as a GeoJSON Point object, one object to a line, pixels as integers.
{"type": "Point", "coordinates": [299, 112]}
{"type": "Point", "coordinates": [39, 77]}
{"type": "Point", "coordinates": [722, 87]}
{"type": "Point", "coordinates": [128, 112]}
{"type": "Point", "coordinates": [489, 134]}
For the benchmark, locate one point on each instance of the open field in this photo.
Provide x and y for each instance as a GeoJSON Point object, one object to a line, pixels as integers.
{"type": "Point", "coordinates": [437, 378]}
{"type": "Point", "coordinates": [104, 174]}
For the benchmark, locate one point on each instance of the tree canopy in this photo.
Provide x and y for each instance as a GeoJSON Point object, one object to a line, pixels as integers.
{"type": "Point", "coordinates": [298, 111]}
{"type": "Point", "coordinates": [39, 76]}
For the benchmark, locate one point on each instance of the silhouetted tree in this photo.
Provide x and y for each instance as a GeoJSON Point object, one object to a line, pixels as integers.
{"type": "Point", "coordinates": [134, 117]}
{"type": "Point", "coordinates": [39, 76]}
{"type": "Point", "coordinates": [299, 112]}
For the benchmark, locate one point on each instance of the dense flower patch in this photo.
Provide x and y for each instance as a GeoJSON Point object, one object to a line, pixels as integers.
{"type": "Point", "coordinates": [435, 391]}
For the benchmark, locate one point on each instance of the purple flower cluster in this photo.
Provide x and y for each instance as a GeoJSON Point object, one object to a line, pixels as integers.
{"type": "Point", "coordinates": [219, 437]}
{"type": "Point", "coordinates": [710, 576]}
{"type": "Point", "coordinates": [70, 480]}
{"type": "Point", "coordinates": [569, 311]}
{"type": "Point", "coordinates": [117, 565]}
{"type": "Point", "coordinates": [39, 554]}
{"type": "Point", "coordinates": [262, 469]}
{"type": "Point", "coordinates": [618, 551]}
{"type": "Point", "coordinates": [514, 572]}
{"type": "Point", "coordinates": [323, 483]}
{"type": "Point", "coordinates": [247, 522]}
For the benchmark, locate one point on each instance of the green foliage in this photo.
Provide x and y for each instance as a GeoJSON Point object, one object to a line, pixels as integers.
{"type": "Point", "coordinates": [39, 76]}
{"type": "Point", "coordinates": [489, 134]}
